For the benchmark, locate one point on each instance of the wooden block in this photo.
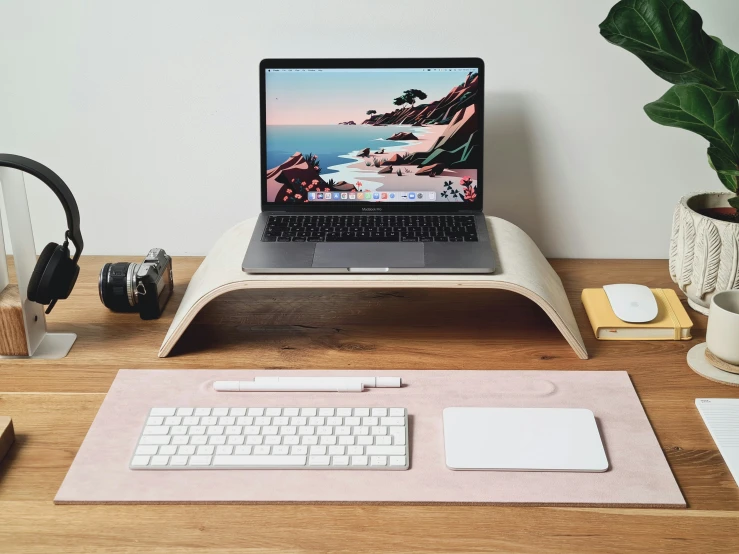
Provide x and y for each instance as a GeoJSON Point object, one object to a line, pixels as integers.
{"type": "Point", "coordinates": [12, 331]}
{"type": "Point", "coordinates": [7, 436]}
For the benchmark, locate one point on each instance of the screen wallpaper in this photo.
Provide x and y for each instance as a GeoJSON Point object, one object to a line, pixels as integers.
{"type": "Point", "coordinates": [377, 135]}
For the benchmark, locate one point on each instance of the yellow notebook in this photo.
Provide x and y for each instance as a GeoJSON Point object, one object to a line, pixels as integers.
{"type": "Point", "coordinates": [672, 321]}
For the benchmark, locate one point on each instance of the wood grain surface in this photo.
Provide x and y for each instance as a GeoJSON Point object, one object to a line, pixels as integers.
{"type": "Point", "coordinates": [53, 403]}
{"type": "Point", "coordinates": [12, 330]}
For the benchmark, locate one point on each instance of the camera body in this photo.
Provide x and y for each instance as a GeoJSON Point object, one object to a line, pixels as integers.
{"type": "Point", "coordinates": [145, 288]}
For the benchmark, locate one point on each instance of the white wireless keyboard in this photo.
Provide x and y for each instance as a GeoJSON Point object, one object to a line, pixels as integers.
{"type": "Point", "coordinates": [267, 438]}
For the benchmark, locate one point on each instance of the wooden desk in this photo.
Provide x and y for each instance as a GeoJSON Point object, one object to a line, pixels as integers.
{"type": "Point", "coordinates": [52, 404]}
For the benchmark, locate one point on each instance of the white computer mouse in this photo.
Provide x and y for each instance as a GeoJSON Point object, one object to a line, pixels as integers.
{"type": "Point", "coordinates": [632, 303]}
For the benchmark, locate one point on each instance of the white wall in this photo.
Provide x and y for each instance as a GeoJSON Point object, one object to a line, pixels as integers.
{"type": "Point", "coordinates": [149, 111]}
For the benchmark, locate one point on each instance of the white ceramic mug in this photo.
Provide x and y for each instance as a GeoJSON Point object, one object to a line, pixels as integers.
{"type": "Point", "coordinates": [722, 336]}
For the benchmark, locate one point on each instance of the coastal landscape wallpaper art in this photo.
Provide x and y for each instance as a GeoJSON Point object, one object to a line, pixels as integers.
{"type": "Point", "coordinates": [372, 135]}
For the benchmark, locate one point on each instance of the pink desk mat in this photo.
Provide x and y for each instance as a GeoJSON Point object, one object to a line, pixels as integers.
{"type": "Point", "coordinates": [639, 475]}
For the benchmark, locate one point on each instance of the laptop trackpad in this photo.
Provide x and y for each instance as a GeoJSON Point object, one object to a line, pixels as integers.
{"type": "Point", "coordinates": [368, 255]}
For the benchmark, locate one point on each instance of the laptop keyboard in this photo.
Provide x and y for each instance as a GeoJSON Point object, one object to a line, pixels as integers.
{"type": "Point", "coordinates": [370, 228]}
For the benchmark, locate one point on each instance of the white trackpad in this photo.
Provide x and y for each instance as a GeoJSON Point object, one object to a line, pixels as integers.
{"type": "Point", "coordinates": [523, 439]}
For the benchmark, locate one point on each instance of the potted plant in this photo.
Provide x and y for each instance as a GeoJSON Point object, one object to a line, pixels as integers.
{"type": "Point", "coordinates": [668, 36]}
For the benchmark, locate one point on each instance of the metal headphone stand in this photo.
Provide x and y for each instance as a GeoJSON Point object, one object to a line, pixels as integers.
{"type": "Point", "coordinates": [41, 344]}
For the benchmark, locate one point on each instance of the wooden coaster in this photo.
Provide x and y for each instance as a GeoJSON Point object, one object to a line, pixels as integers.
{"type": "Point", "coordinates": [7, 436]}
{"type": "Point", "coordinates": [699, 363]}
{"type": "Point", "coordinates": [717, 362]}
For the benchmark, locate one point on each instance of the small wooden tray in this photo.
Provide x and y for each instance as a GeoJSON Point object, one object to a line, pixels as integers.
{"type": "Point", "coordinates": [718, 363]}
{"type": "Point", "coordinates": [7, 436]}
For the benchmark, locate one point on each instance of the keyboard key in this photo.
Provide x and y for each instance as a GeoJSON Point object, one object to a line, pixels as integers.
{"type": "Point", "coordinates": [385, 450]}
{"type": "Point", "coordinates": [159, 460]}
{"type": "Point", "coordinates": [163, 411]}
{"type": "Point", "coordinates": [178, 461]}
{"type": "Point", "coordinates": [259, 461]}
{"type": "Point", "coordinates": [359, 460]}
{"type": "Point", "coordinates": [341, 460]}
{"type": "Point", "coordinates": [155, 440]}
{"type": "Point", "coordinates": [378, 461]}
{"type": "Point", "coordinates": [319, 460]}
{"type": "Point", "coordinates": [156, 430]}
{"type": "Point", "coordinates": [140, 461]}
{"type": "Point", "coordinates": [199, 460]}
{"type": "Point", "coordinates": [397, 461]}
{"type": "Point", "coordinates": [146, 450]}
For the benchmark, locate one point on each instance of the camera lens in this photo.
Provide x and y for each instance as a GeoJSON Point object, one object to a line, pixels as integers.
{"type": "Point", "coordinates": [117, 285]}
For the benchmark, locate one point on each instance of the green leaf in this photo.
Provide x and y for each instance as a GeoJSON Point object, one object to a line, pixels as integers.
{"type": "Point", "coordinates": [697, 108]}
{"type": "Point", "coordinates": [711, 114]}
{"type": "Point", "coordinates": [734, 202]}
{"type": "Point", "coordinates": [668, 37]}
{"type": "Point", "coordinates": [727, 170]}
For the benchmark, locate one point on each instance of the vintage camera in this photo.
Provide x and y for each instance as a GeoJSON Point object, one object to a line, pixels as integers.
{"type": "Point", "coordinates": [143, 288]}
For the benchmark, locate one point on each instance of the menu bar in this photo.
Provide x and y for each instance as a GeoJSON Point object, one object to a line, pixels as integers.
{"type": "Point", "coordinates": [375, 70]}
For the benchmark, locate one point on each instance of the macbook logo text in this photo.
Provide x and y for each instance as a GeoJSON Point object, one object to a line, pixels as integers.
{"type": "Point", "coordinates": [371, 209]}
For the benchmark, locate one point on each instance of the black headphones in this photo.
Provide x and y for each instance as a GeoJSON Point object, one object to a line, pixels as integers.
{"type": "Point", "coordinates": [55, 273]}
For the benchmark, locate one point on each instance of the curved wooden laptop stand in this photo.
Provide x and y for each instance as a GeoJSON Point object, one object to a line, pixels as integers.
{"type": "Point", "coordinates": [522, 269]}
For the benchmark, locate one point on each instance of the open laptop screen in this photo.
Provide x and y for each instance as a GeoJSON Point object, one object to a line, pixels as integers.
{"type": "Point", "coordinates": [339, 136]}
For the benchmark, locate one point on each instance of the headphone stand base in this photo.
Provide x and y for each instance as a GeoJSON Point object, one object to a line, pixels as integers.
{"type": "Point", "coordinates": [40, 343]}
{"type": "Point", "coordinates": [53, 346]}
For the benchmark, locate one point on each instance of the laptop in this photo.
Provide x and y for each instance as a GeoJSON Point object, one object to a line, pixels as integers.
{"type": "Point", "coordinates": [371, 166]}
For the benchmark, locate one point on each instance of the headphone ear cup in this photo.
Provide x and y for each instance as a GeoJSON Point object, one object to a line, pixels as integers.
{"type": "Point", "coordinates": [36, 293]}
{"type": "Point", "coordinates": [54, 275]}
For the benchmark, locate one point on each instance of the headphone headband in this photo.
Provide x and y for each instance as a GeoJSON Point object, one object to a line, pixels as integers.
{"type": "Point", "coordinates": [55, 183]}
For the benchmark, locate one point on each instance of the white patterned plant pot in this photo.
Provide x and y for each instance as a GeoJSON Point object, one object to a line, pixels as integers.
{"type": "Point", "coordinates": [704, 252]}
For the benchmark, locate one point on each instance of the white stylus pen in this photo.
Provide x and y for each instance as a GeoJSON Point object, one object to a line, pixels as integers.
{"type": "Point", "coordinates": [256, 386]}
{"type": "Point", "coordinates": [370, 382]}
